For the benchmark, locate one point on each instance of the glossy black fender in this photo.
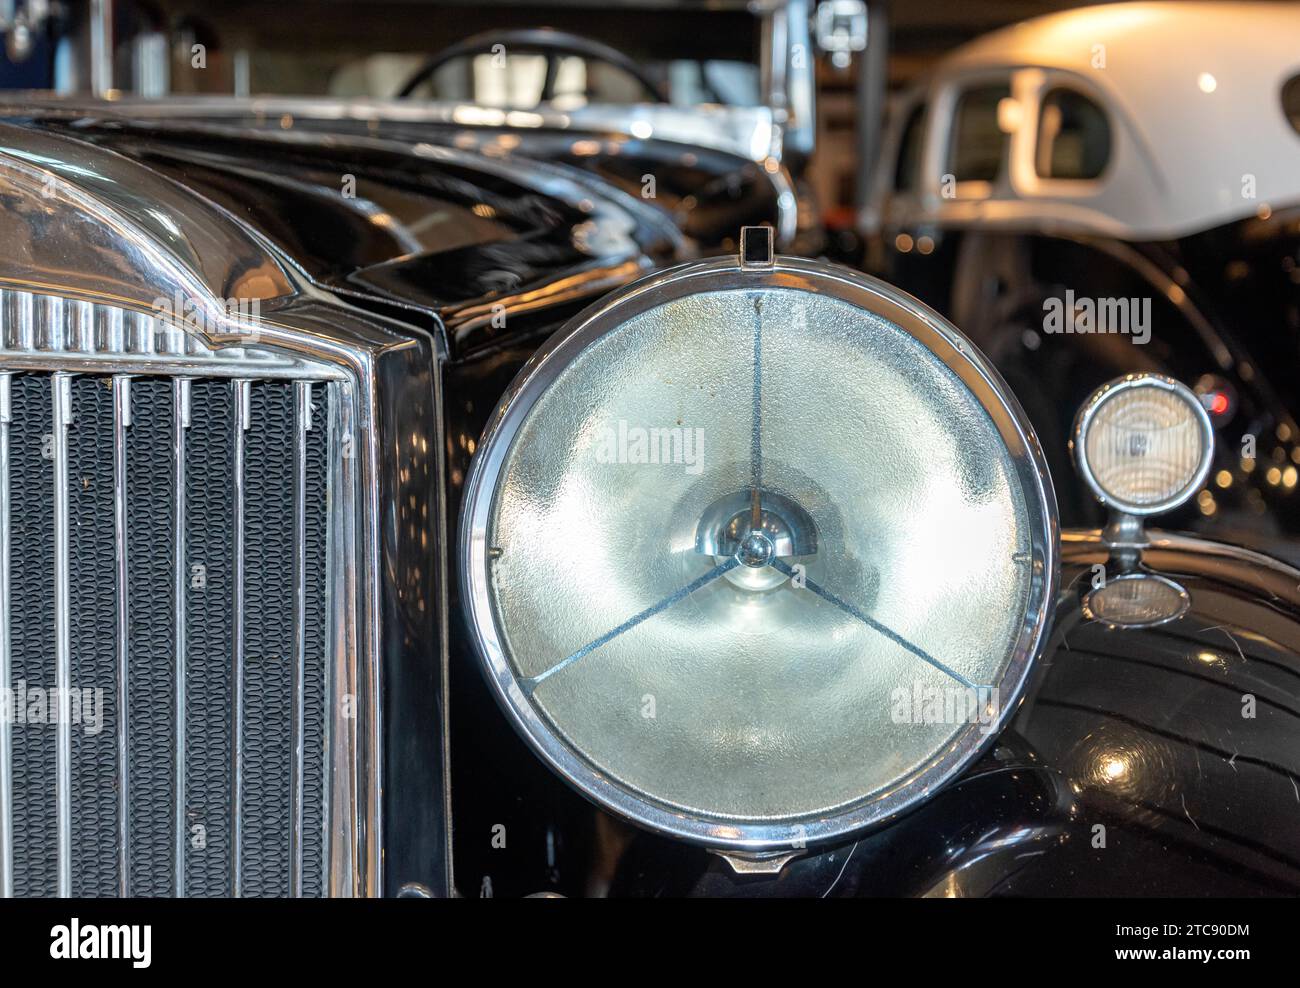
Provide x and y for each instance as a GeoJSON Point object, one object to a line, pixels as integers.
{"type": "Point", "coordinates": [1156, 762]}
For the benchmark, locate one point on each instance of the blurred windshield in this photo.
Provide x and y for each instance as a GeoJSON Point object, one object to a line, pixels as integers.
{"type": "Point", "coordinates": [687, 53]}
{"type": "Point", "coordinates": [520, 80]}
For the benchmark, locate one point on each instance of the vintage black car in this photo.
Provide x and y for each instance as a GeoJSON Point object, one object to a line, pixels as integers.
{"type": "Point", "coordinates": [401, 504]}
{"type": "Point", "coordinates": [758, 555]}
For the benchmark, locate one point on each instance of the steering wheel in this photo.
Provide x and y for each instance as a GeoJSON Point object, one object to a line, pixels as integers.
{"type": "Point", "coordinates": [539, 40]}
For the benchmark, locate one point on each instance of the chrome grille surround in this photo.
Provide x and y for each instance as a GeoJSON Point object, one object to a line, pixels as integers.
{"type": "Point", "coordinates": [59, 341]}
{"type": "Point", "coordinates": [46, 332]}
{"type": "Point", "coordinates": [93, 241]}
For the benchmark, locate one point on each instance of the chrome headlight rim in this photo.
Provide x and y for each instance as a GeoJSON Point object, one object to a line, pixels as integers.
{"type": "Point", "coordinates": [941, 339]}
{"type": "Point", "coordinates": [1130, 382]}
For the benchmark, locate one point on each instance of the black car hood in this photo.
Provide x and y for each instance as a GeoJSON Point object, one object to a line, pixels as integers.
{"type": "Point", "coordinates": [411, 224]}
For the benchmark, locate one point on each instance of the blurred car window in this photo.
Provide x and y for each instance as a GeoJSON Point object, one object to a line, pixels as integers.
{"type": "Point", "coordinates": [517, 80]}
{"type": "Point", "coordinates": [979, 144]}
{"type": "Point", "coordinates": [1291, 101]}
{"type": "Point", "coordinates": [714, 80]}
{"type": "Point", "coordinates": [907, 173]}
{"type": "Point", "coordinates": [1073, 136]}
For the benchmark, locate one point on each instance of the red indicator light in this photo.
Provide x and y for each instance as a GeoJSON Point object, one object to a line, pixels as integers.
{"type": "Point", "coordinates": [1218, 403]}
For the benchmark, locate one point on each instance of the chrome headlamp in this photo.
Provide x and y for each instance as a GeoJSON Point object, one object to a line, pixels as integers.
{"type": "Point", "coordinates": [1143, 444]}
{"type": "Point", "coordinates": [758, 552]}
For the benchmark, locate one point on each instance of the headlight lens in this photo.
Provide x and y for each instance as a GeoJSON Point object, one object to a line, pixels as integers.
{"type": "Point", "coordinates": [1136, 600]}
{"type": "Point", "coordinates": [1144, 443]}
{"type": "Point", "coordinates": [731, 531]}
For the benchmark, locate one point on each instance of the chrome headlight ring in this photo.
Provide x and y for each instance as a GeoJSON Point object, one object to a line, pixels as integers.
{"type": "Point", "coordinates": [772, 832]}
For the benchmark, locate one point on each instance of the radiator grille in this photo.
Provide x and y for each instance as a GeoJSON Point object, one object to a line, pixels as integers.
{"type": "Point", "coordinates": [194, 508]}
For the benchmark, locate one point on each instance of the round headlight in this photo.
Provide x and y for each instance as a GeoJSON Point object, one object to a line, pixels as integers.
{"type": "Point", "coordinates": [758, 557]}
{"type": "Point", "coordinates": [1144, 443]}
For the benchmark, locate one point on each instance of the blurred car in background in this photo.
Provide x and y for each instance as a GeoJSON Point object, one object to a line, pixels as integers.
{"type": "Point", "coordinates": [707, 109]}
{"type": "Point", "coordinates": [1117, 189]}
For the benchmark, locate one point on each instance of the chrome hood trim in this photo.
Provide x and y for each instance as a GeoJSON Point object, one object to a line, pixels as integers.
{"type": "Point", "coordinates": [749, 132]}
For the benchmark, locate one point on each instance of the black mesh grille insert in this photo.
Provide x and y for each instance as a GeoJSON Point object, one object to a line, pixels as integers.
{"type": "Point", "coordinates": [315, 703]}
{"type": "Point", "coordinates": [31, 628]}
{"type": "Point", "coordinates": [93, 632]}
{"type": "Point", "coordinates": [208, 604]}
{"type": "Point", "coordinates": [150, 667]}
{"type": "Point", "coordinates": [269, 645]}
{"type": "Point", "coordinates": [209, 583]}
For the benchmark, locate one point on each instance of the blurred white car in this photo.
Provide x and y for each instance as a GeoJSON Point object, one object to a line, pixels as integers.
{"type": "Point", "coordinates": [1136, 166]}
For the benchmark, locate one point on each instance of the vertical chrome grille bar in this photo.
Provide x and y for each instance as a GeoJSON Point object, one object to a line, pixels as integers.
{"type": "Point", "coordinates": [61, 391]}
{"type": "Point", "coordinates": [180, 422]}
{"type": "Point", "coordinates": [24, 320]}
{"type": "Point", "coordinates": [121, 422]}
{"type": "Point", "coordinates": [342, 772]}
{"type": "Point", "coordinates": [242, 403]}
{"type": "Point", "coordinates": [302, 423]}
{"type": "Point", "coordinates": [333, 546]}
{"type": "Point", "coordinates": [6, 667]}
